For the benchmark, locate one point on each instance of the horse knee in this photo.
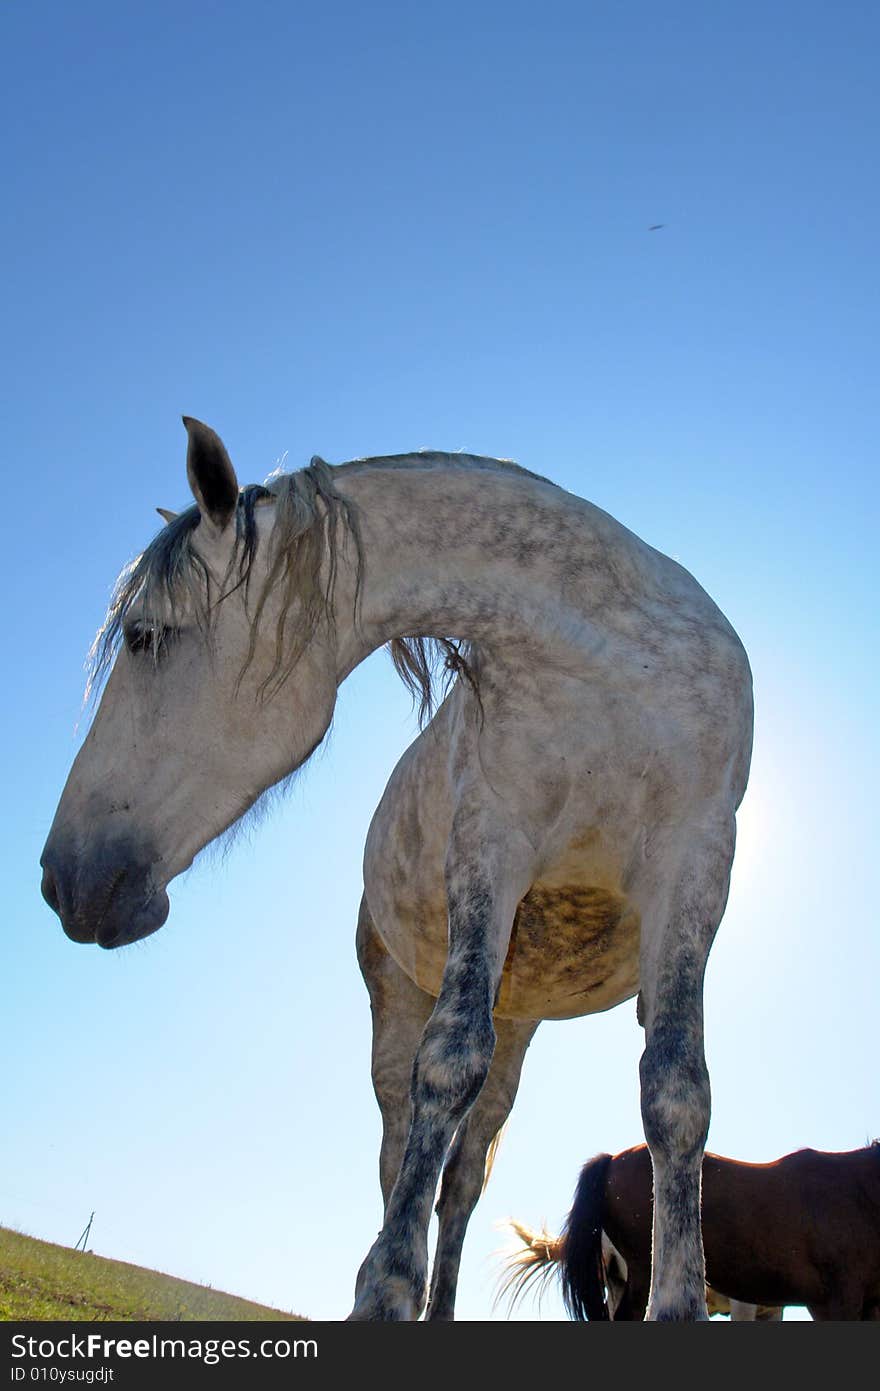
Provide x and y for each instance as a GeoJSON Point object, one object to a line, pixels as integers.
{"type": "Point", "coordinates": [452, 1061]}
{"type": "Point", "coordinates": [675, 1094]}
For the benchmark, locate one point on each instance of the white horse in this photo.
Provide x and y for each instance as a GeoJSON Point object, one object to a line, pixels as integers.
{"type": "Point", "coordinates": [558, 839]}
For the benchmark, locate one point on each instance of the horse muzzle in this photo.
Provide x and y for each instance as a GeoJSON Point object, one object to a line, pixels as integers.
{"type": "Point", "coordinates": [110, 897]}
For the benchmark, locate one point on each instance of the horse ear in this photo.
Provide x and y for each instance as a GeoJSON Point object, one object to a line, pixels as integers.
{"type": "Point", "coordinates": [211, 475]}
{"type": "Point", "coordinates": [167, 517]}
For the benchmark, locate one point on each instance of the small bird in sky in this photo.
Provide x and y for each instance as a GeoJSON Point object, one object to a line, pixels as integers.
{"type": "Point", "coordinates": [656, 226]}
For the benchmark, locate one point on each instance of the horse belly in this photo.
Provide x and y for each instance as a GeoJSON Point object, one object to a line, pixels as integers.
{"type": "Point", "coordinates": [574, 950]}
{"type": "Point", "coordinates": [574, 944]}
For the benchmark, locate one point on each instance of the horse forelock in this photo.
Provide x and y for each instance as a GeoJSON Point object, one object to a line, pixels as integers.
{"type": "Point", "coordinates": [312, 519]}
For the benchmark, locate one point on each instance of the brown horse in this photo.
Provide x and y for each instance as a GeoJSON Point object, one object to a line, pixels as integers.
{"type": "Point", "coordinates": [804, 1229]}
{"type": "Point", "coordinates": [540, 1255]}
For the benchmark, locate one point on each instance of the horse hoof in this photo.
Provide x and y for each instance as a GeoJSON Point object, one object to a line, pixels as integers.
{"type": "Point", "coordinates": [389, 1301]}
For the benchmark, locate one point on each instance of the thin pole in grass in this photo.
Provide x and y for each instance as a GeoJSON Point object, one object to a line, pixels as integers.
{"type": "Point", "coordinates": [85, 1235]}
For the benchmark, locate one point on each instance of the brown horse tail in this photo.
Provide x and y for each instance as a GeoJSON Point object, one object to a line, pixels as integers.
{"type": "Point", "coordinates": [582, 1270]}
{"type": "Point", "coordinates": [537, 1262]}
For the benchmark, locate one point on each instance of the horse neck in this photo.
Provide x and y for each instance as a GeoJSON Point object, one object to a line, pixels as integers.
{"type": "Point", "coordinates": [471, 553]}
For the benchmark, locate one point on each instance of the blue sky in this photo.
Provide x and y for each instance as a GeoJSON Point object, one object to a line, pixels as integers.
{"type": "Point", "coordinates": [351, 230]}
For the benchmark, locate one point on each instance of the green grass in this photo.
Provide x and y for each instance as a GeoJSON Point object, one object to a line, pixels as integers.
{"type": "Point", "coordinates": [42, 1281]}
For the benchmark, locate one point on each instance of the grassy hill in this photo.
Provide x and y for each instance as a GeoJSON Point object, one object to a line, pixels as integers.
{"type": "Point", "coordinates": [42, 1281]}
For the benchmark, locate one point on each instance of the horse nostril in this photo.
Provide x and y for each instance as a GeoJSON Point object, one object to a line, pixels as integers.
{"type": "Point", "coordinates": [50, 891]}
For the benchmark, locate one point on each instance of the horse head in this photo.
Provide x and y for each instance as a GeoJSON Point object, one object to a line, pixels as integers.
{"type": "Point", "coordinates": [204, 629]}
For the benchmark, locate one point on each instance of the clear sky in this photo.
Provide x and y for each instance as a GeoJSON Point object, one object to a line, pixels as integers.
{"type": "Point", "coordinates": [348, 229]}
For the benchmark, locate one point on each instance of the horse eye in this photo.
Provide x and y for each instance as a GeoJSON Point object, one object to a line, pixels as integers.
{"type": "Point", "coordinates": [138, 636]}
{"type": "Point", "coordinates": [142, 636]}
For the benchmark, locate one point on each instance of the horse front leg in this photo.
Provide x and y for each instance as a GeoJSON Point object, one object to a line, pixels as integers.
{"type": "Point", "coordinates": [675, 1094]}
{"type": "Point", "coordinates": [451, 1064]}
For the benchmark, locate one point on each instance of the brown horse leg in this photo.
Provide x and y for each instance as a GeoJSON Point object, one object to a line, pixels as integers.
{"type": "Point", "coordinates": [634, 1301]}
{"type": "Point", "coordinates": [844, 1305]}
{"type": "Point", "coordinates": [465, 1169]}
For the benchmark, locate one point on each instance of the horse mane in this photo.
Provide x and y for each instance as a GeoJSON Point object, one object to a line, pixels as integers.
{"type": "Point", "coordinates": [313, 522]}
